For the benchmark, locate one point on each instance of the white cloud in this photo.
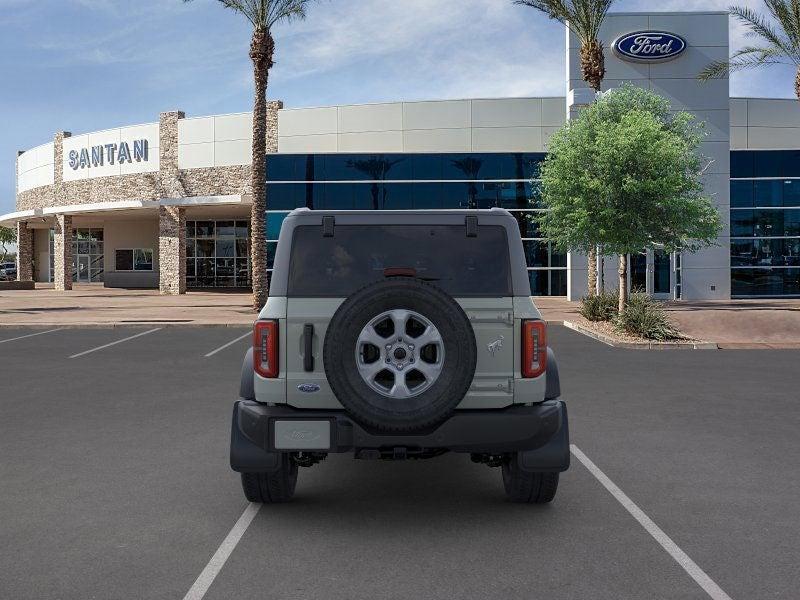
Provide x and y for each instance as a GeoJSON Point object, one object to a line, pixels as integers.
{"type": "Point", "coordinates": [420, 48]}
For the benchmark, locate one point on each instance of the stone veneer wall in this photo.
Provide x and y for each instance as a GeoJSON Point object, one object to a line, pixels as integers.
{"type": "Point", "coordinates": [217, 181]}
{"type": "Point", "coordinates": [24, 252]}
{"type": "Point", "coordinates": [62, 251]}
{"type": "Point", "coordinates": [172, 250]}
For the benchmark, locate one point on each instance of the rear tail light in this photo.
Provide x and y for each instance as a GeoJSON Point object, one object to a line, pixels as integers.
{"type": "Point", "coordinates": [265, 348]}
{"type": "Point", "coordinates": [534, 348]}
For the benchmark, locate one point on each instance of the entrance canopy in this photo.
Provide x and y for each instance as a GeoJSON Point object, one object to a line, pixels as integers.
{"type": "Point", "coordinates": [46, 215]}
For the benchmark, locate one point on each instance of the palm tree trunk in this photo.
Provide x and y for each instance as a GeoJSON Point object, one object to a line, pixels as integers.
{"type": "Point", "coordinates": [261, 52]}
{"type": "Point", "coordinates": [797, 84]}
{"type": "Point", "coordinates": [623, 282]}
{"type": "Point", "coordinates": [593, 70]}
{"type": "Point", "coordinates": [593, 67]}
{"type": "Point", "coordinates": [601, 275]}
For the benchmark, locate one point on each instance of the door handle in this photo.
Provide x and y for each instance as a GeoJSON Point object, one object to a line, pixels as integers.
{"type": "Point", "coordinates": [308, 347]}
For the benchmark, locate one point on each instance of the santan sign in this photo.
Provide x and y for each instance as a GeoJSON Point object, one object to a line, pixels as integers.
{"type": "Point", "coordinates": [97, 156]}
{"type": "Point", "coordinates": [649, 46]}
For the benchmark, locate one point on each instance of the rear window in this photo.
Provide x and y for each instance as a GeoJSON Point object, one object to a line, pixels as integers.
{"type": "Point", "coordinates": [360, 254]}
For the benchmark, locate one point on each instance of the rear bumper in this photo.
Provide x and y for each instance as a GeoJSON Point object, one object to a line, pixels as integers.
{"type": "Point", "coordinates": [540, 433]}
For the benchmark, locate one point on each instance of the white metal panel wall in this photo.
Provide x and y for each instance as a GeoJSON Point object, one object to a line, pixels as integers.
{"type": "Point", "coordinates": [765, 124]}
{"type": "Point", "coordinates": [35, 167]}
{"type": "Point", "coordinates": [215, 141]}
{"type": "Point", "coordinates": [484, 125]}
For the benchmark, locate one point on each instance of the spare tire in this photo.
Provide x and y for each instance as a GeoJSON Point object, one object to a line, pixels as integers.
{"type": "Point", "coordinates": [400, 355]}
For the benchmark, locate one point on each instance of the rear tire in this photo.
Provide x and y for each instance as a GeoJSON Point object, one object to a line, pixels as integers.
{"type": "Point", "coordinates": [273, 487]}
{"type": "Point", "coordinates": [525, 487]}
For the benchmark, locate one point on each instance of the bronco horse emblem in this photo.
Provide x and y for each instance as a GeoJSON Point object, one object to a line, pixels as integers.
{"type": "Point", "coordinates": [495, 345]}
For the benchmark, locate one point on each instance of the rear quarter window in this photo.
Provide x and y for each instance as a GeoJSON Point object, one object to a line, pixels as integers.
{"type": "Point", "coordinates": [358, 255]}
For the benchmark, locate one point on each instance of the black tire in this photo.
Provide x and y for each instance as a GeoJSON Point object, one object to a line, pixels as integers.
{"type": "Point", "coordinates": [525, 487]}
{"type": "Point", "coordinates": [270, 488]}
{"type": "Point", "coordinates": [433, 405]}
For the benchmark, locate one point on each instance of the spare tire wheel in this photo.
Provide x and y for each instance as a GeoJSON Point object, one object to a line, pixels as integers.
{"type": "Point", "coordinates": [400, 354]}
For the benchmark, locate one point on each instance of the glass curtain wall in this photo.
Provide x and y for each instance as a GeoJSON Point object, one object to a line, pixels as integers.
{"type": "Point", "coordinates": [418, 181]}
{"type": "Point", "coordinates": [765, 223]}
{"type": "Point", "coordinates": [218, 254]}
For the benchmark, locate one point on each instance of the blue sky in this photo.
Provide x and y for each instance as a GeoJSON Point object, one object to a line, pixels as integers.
{"type": "Point", "coordinates": [84, 65]}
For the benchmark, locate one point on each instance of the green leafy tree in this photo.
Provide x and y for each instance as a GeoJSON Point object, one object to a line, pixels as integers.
{"type": "Point", "coordinates": [584, 19]}
{"type": "Point", "coordinates": [626, 174]}
{"type": "Point", "coordinates": [778, 40]}
{"type": "Point", "coordinates": [263, 15]}
{"type": "Point", "coordinates": [7, 237]}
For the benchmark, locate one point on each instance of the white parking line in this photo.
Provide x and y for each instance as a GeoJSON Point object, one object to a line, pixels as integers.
{"type": "Point", "coordinates": [688, 565]}
{"type": "Point", "coordinates": [231, 343]}
{"type": "Point", "coordinates": [115, 343]}
{"type": "Point", "coordinates": [22, 337]}
{"type": "Point", "coordinates": [214, 566]}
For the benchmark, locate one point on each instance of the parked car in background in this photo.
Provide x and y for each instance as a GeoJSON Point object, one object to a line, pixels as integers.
{"type": "Point", "coordinates": [8, 271]}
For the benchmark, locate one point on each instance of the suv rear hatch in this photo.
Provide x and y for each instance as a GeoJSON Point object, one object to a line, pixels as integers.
{"type": "Point", "coordinates": [331, 261]}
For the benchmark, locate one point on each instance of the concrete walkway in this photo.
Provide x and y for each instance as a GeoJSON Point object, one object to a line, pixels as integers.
{"type": "Point", "coordinates": [94, 305]}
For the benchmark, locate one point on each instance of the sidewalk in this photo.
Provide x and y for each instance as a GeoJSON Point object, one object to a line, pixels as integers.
{"type": "Point", "coordinates": [93, 305]}
{"type": "Point", "coordinates": [731, 324]}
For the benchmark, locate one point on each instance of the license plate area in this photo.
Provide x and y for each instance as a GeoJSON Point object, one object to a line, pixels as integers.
{"type": "Point", "coordinates": [301, 434]}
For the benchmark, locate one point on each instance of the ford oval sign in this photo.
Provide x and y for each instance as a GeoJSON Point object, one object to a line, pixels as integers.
{"type": "Point", "coordinates": [308, 388]}
{"type": "Point", "coordinates": [649, 46]}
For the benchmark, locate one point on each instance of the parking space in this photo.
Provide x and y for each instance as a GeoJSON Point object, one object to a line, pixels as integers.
{"type": "Point", "coordinates": [115, 483]}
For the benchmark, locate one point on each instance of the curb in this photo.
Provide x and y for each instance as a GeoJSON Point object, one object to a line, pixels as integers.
{"type": "Point", "coordinates": [640, 345]}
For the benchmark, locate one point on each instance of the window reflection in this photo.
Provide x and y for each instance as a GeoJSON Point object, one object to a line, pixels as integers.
{"type": "Point", "coordinates": [413, 181]}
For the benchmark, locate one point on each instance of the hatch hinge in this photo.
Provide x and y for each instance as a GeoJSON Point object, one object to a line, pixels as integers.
{"type": "Point", "coordinates": [327, 226]}
{"type": "Point", "coordinates": [471, 223]}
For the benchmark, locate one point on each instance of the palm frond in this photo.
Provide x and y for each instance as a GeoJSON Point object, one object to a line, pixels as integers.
{"type": "Point", "coordinates": [263, 14]}
{"type": "Point", "coordinates": [785, 14]}
{"type": "Point", "coordinates": [583, 17]}
{"type": "Point", "coordinates": [745, 58]}
{"type": "Point", "coordinates": [284, 10]}
{"type": "Point", "coordinates": [715, 70]}
{"type": "Point", "coordinates": [759, 26]}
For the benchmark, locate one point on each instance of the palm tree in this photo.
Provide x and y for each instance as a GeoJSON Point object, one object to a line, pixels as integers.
{"type": "Point", "coordinates": [263, 15]}
{"type": "Point", "coordinates": [780, 41]}
{"type": "Point", "coordinates": [584, 19]}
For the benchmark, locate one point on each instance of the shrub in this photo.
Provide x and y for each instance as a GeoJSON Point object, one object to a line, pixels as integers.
{"type": "Point", "coordinates": [601, 307]}
{"type": "Point", "coordinates": [645, 318]}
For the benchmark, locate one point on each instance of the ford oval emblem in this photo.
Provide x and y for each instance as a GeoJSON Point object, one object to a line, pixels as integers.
{"type": "Point", "coordinates": [308, 388]}
{"type": "Point", "coordinates": [649, 46]}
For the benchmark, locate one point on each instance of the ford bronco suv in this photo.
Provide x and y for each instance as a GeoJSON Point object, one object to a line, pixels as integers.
{"type": "Point", "coordinates": [397, 335]}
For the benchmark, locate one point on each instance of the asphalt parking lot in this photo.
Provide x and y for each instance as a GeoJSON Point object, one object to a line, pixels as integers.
{"type": "Point", "coordinates": [114, 483]}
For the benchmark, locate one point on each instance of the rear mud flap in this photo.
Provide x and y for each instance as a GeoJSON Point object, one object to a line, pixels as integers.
{"type": "Point", "coordinates": [553, 456]}
{"type": "Point", "coordinates": [247, 457]}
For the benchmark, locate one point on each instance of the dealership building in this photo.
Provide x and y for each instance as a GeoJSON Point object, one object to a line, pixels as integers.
{"type": "Point", "coordinates": [167, 204]}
